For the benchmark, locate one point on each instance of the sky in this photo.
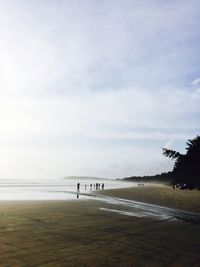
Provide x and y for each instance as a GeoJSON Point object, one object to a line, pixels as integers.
{"type": "Point", "coordinates": [97, 88]}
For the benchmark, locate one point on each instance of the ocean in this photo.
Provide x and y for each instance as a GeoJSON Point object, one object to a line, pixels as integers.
{"type": "Point", "coordinates": [57, 189]}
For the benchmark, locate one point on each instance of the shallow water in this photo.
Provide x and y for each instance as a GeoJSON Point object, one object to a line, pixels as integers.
{"type": "Point", "coordinates": [60, 189]}
{"type": "Point", "coordinates": [141, 209]}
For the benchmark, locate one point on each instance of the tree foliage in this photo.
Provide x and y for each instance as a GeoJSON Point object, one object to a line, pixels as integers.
{"type": "Point", "coordinates": [171, 153]}
{"type": "Point", "coordinates": [187, 166]}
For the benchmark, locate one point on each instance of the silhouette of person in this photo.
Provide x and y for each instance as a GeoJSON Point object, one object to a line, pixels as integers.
{"type": "Point", "coordinates": [78, 187]}
{"type": "Point", "coordinates": [78, 190]}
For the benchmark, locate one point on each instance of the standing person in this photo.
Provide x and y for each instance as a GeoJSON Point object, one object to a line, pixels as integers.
{"type": "Point", "coordinates": [102, 186]}
{"type": "Point", "coordinates": [85, 187]}
{"type": "Point", "coordinates": [90, 187]}
{"type": "Point", "coordinates": [78, 187]}
{"type": "Point", "coordinates": [78, 190]}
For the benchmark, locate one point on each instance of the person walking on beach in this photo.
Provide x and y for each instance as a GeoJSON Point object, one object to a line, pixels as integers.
{"type": "Point", "coordinates": [102, 186]}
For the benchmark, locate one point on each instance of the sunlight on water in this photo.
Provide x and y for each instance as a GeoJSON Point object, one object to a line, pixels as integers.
{"type": "Point", "coordinates": [13, 189]}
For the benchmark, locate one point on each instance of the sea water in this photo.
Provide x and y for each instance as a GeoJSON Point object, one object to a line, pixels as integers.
{"type": "Point", "coordinates": [57, 189]}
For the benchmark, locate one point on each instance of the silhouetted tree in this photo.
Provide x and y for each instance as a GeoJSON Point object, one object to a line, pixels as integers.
{"type": "Point", "coordinates": [187, 166]}
{"type": "Point", "coordinates": [171, 153]}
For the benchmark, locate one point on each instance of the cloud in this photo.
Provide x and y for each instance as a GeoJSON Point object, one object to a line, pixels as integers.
{"type": "Point", "coordinates": [196, 81]}
{"type": "Point", "coordinates": [126, 114]}
{"type": "Point", "coordinates": [83, 82]}
{"type": "Point", "coordinates": [77, 47]}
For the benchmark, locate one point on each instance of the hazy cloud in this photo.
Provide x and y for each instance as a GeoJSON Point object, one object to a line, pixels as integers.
{"type": "Point", "coordinates": [88, 85]}
{"type": "Point", "coordinates": [196, 81]}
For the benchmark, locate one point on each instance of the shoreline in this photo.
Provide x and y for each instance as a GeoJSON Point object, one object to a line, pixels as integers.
{"type": "Point", "coordinates": [157, 194]}
{"type": "Point", "coordinates": [160, 194]}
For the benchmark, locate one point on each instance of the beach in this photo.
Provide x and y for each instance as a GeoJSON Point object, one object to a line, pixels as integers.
{"type": "Point", "coordinates": [82, 232]}
{"type": "Point", "coordinates": [160, 194]}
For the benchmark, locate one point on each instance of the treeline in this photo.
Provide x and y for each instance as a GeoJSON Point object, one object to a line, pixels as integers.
{"type": "Point", "coordinates": [165, 177]}
{"type": "Point", "coordinates": [186, 171]}
{"type": "Point", "coordinates": [186, 166]}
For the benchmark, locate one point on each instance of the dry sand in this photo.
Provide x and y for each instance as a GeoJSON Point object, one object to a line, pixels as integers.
{"type": "Point", "coordinates": [77, 233]}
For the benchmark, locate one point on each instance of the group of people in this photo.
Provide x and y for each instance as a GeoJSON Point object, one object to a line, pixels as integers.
{"type": "Point", "coordinates": [96, 186]}
{"type": "Point", "coordinates": [140, 184]}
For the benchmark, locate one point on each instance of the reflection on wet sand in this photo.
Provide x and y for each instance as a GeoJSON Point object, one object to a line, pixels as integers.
{"type": "Point", "coordinates": [141, 209]}
{"type": "Point", "coordinates": [128, 213]}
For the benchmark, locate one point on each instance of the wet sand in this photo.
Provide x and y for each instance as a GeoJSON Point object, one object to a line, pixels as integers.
{"type": "Point", "coordinates": [84, 233]}
{"type": "Point", "coordinates": [159, 194]}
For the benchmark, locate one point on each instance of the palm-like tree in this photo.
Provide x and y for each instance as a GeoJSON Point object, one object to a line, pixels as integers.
{"type": "Point", "coordinates": [187, 166]}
